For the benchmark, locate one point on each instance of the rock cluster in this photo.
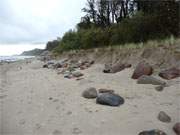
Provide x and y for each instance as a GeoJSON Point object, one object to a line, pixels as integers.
{"type": "Point", "coordinates": [104, 97]}
{"type": "Point", "coordinates": [69, 68]}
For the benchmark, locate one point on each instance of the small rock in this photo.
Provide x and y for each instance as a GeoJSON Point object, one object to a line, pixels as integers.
{"type": "Point", "coordinates": [57, 132]}
{"type": "Point", "coordinates": [69, 113]}
{"type": "Point", "coordinates": [153, 132]}
{"type": "Point", "coordinates": [78, 79]}
{"type": "Point", "coordinates": [76, 131]}
{"type": "Point", "coordinates": [176, 128]}
{"type": "Point", "coordinates": [77, 74]}
{"type": "Point", "coordinates": [105, 91]}
{"type": "Point", "coordinates": [109, 99]}
{"type": "Point", "coordinates": [163, 117]}
{"type": "Point", "coordinates": [90, 93]}
{"type": "Point", "coordinates": [159, 88]}
{"type": "Point", "coordinates": [55, 100]}
{"type": "Point", "coordinates": [145, 79]}
{"type": "Point", "coordinates": [50, 98]}
{"type": "Point", "coordinates": [45, 66]}
{"type": "Point", "coordinates": [69, 76]}
{"type": "Point", "coordinates": [142, 69]}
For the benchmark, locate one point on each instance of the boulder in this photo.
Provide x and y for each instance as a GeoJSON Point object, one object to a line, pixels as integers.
{"type": "Point", "coordinates": [153, 132]}
{"type": "Point", "coordinates": [145, 79]}
{"type": "Point", "coordinates": [170, 73]}
{"type": "Point", "coordinates": [115, 68]}
{"type": "Point", "coordinates": [176, 128]}
{"type": "Point", "coordinates": [109, 99]}
{"type": "Point", "coordinates": [105, 91]}
{"type": "Point", "coordinates": [163, 117]}
{"type": "Point", "coordinates": [142, 69]}
{"type": "Point", "coordinates": [90, 93]}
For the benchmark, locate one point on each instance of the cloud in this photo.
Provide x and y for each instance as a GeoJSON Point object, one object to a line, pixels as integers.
{"type": "Point", "coordinates": [37, 20]}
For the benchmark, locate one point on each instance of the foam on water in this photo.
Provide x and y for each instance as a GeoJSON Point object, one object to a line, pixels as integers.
{"type": "Point", "coordinates": [13, 58]}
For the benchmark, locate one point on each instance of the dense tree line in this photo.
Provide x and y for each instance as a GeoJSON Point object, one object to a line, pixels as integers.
{"type": "Point", "coordinates": [113, 22]}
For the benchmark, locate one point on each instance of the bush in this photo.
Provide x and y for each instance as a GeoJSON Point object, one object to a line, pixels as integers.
{"type": "Point", "coordinates": [138, 28]}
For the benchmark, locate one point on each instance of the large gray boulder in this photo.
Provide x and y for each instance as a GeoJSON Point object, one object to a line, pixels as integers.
{"type": "Point", "coordinates": [145, 79]}
{"type": "Point", "coordinates": [109, 99]}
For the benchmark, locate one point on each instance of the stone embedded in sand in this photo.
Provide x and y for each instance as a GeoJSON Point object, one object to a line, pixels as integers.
{"type": "Point", "coordinates": [153, 132]}
{"type": "Point", "coordinates": [163, 117]}
{"type": "Point", "coordinates": [77, 74]}
{"type": "Point", "coordinates": [90, 93]}
{"type": "Point", "coordinates": [57, 65]}
{"type": "Point", "coordinates": [68, 75]}
{"type": "Point", "coordinates": [142, 69]}
{"type": "Point", "coordinates": [56, 132]}
{"type": "Point", "coordinates": [170, 73]}
{"type": "Point", "coordinates": [160, 88]}
{"type": "Point", "coordinates": [176, 128]}
{"type": "Point", "coordinates": [115, 68]}
{"type": "Point", "coordinates": [105, 91]}
{"type": "Point", "coordinates": [109, 99]}
{"type": "Point", "coordinates": [145, 79]}
{"type": "Point", "coordinates": [45, 66]}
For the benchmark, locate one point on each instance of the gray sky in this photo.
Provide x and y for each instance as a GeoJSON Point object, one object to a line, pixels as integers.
{"type": "Point", "coordinates": [28, 21]}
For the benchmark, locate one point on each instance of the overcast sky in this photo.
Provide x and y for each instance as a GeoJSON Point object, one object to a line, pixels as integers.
{"type": "Point", "coordinates": [28, 21]}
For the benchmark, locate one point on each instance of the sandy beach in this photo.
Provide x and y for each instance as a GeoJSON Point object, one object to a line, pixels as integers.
{"type": "Point", "coordinates": [38, 101]}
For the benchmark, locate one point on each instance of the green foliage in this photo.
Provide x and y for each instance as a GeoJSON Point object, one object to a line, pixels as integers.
{"type": "Point", "coordinates": [120, 22]}
{"type": "Point", "coordinates": [52, 44]}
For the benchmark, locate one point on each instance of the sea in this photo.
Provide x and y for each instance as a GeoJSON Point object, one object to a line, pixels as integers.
{"type": "Point", "coordinates": [14, 58]}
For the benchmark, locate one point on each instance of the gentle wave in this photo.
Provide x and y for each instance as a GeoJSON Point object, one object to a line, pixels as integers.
{"type": "Point", "coordinates": [14, 58]}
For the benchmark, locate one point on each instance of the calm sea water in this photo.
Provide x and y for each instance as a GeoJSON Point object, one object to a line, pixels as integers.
{"type": "Point", "coordinates": [13, 58]}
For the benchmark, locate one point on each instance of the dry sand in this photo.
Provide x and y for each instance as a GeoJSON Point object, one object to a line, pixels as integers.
{"type": "Point", "coordinates": [26, 108]}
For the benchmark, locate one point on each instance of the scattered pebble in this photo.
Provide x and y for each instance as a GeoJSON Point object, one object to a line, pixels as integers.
{"type": "Point", "coordinates": [163, 117]}
{"type": "Point", "coordinates": [152, 132]}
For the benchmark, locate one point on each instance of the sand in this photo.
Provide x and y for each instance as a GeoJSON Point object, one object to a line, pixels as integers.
{"type": "Point", "coordinates": [37, 101]}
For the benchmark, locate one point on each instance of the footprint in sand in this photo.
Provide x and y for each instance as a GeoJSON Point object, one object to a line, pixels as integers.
{"type": "Point", "coordinates": [57, 132]}
{"type": "Point", "coordinates": [55, 100]}
{"type": "Point", "coordinates": [37, 126]}
{"type": "Point", "coordinates": [76, 131]}
{"type": "Point", "coordinates": [22, 122]}
{"type": "Point", "coordinates": [3, 96]}
{"type": "Point", "coordinates": [69, 113]}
